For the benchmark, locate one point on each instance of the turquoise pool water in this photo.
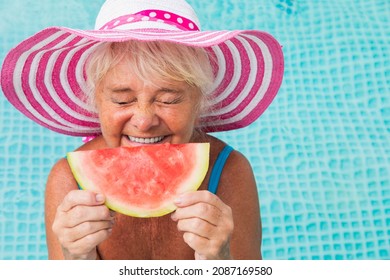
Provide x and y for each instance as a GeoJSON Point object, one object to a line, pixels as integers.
{"type": "Point", "coordinates": [321, 153]}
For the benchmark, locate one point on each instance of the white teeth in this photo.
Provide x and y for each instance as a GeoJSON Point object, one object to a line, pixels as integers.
{"type": "Point", "coordinates": [151, 140]}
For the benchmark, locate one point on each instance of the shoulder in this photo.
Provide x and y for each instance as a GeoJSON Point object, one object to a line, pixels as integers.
{"type": "Point", "coordinates": [59, 182]}
{"type": "Point", "coordinates": [236, 162]}
{"type": "Point", "coordinates": [237, 180]}
{"type": "Point", "coordinates": [236, 171]}
{"type": "Point", "coordinates": [60, 178]}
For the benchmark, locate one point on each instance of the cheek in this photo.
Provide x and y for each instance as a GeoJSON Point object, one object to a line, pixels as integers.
{"type": "Point", "coordinates": [112, 120]}
{"type": "Point", "coordinates": [184, 119]}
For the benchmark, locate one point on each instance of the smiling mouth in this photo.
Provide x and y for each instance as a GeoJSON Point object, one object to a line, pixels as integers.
{"type": "Point", "coordinates": [151, 140]}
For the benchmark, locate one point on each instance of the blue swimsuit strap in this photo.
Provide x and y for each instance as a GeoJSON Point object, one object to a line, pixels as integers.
{"type": "Point", "coordinates": [217, 169]}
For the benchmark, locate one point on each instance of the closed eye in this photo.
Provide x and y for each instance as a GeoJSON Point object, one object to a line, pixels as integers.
{"type": "Point", "coordinates": [123, 102]}
{"type": "Point", "coordinates": [170, 101]}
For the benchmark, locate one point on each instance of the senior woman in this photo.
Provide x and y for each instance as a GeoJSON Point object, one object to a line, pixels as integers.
{"type": "Point", "coordinates": [148, 75]}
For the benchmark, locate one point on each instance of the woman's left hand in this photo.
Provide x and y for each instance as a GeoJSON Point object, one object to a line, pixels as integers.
{"type": "Point", "coordinates": [207, 224]}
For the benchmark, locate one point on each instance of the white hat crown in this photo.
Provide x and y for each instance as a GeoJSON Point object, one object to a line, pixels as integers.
{"type": "Point", "coordinates": [152, 14]}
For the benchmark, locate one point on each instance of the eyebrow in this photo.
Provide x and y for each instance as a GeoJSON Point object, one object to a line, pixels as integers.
{"type": "Point", "coordinates": [126, 89]}
{"type": "Point", "coordinates": [120, 89]}
{"type": "Point", "coordinates": [169, 90]}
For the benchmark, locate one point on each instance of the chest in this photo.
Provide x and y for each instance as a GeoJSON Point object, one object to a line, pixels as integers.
{"type": "Point", "coordinates": [145, 238]}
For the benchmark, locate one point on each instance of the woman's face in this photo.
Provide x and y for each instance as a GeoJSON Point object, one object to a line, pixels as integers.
{"type": "Point", "coordinates": [134, 113]}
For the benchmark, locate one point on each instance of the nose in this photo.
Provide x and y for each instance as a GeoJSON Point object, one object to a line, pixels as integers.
{"type": "Point", "coordinates": [144, 117]}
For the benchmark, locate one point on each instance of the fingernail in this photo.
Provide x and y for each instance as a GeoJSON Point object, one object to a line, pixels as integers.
{"type": "Point", "coordinates": [99, 197]}
{"type": "Point", "coordinates": [177, 200]}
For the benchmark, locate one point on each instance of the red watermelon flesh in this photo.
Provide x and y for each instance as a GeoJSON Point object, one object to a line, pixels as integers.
{"type": "Point", "coordinates": [141, 181]}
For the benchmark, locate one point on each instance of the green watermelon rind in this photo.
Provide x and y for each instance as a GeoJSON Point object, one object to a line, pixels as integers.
{"type": "Point", "coordinates": [191, 184]}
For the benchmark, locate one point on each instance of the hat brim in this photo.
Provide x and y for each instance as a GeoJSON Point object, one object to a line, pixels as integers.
{"type": "Point", "coordinates": [44, 76]}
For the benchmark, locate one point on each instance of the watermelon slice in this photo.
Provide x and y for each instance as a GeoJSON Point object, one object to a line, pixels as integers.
{"type": "Point", "coordinates": [141, 181]}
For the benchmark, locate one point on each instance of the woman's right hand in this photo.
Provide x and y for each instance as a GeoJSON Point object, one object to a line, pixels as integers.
{"type": "Point", "coordinates": [82, 221]}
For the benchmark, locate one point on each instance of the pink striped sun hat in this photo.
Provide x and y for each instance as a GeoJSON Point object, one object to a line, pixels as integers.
{"type": "Point", "coordinates": [44, 76]}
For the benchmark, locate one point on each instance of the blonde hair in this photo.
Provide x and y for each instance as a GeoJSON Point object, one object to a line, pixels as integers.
{"type": "Point", "coordinates": [153, 60]}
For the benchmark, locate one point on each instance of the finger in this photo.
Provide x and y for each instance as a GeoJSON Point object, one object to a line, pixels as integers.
{"type": "Point", "coordinates": [84, 229]}
{"type": "Point", "coordinates": [196, 226]}
{"type": "Point", "coordinates": [190, 198]}
{"type": "Point", "coordinates": [205, 248]}
{"type": "Point", "coordinates": [80, 214]}
{"type": "Point", "coordinates": [199, 256]}
{"type": "Point", "coordinates": [112, 213]}
{"type": "Point", "coordinates": [80, 197]}
{"type": "Point", "coordinates": [87, 243]}
{"type": "Point", "coordinates": [197, 243]}
{"type": "Point", "coordinates": [202, 210]}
